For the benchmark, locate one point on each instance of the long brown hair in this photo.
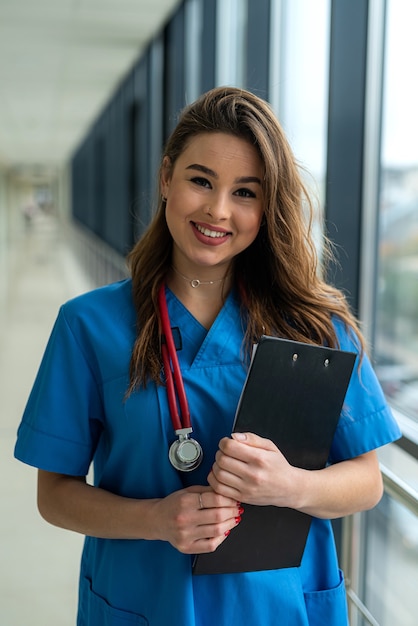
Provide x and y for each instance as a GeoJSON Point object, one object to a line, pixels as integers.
{"type": "Point", "coordinates": [282, 290]}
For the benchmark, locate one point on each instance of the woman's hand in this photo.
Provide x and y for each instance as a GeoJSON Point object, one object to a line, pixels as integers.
{"type": "Point", "coordinates": [196, 519]}
{"type": "Point", "coordinates": [193, 520]}
{"type": "Point", "coordinates": [252, 470]}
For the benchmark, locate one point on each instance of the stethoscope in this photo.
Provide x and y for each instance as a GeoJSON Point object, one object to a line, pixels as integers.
{"type": "Point", "coordinates": [185, 453]}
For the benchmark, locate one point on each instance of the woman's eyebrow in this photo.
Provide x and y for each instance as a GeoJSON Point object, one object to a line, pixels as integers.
{"type": "Point", "coordinates": [247, 179]}
{"type": "Point", "coordinates": [202, 168]}
{"type": "Point", "coordinates": [209, 172]}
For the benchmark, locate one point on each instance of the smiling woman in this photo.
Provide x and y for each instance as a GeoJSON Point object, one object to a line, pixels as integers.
{"type": "Point", "coordinates": [214, 203]}
{"type": "Point", "coordinates": [148, 362]}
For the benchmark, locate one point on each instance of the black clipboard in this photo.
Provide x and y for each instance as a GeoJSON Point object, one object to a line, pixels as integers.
{"type": "Point", "coordinates": [293, 395]}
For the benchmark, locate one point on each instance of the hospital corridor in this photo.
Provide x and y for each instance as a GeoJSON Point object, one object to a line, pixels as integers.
{"type": "Point", "coordinates": [38, 562]}
{"type": "Point", "coordinates": [91, 93]}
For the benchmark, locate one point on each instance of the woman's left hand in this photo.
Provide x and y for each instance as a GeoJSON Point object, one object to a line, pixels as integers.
{"type": "Point", "coordinates": [252, 470]}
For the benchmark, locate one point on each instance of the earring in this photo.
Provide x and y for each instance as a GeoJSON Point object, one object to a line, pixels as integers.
{"type": "Point", "coordinates": [163, 198]}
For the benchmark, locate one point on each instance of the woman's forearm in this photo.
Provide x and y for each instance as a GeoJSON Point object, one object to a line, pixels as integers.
{"type": "Point", "coordinates": [340, 489]}
{"type": "Point", "coordinates": [69, 502]}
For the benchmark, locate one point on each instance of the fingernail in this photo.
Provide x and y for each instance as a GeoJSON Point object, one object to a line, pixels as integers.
{"type": "Point", "coordinates": [239, 436]}
{"type": "Point", "coordinates": [238, 519]}
{"type": "Point", "coordinates": [227, 532]}
{"type": "Point", "coordinates": [240, 510]}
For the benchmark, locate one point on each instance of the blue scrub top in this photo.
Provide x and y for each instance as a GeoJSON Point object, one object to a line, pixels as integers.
{"type": "Point", "coordinates": [77, 414]}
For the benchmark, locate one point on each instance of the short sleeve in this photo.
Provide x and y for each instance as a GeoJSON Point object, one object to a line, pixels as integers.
{"type": "Point", "coordinates": [366, 420]}
{"type": "Point", "coordinates": [63, 417]}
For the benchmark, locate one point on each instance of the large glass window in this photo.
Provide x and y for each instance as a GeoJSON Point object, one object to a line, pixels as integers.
{"type": "Point", "coordinates": [299, 80]}
{"type": "Point", "coordinates": [396, 340]}
{"type": "Point", "coordinates": [192, 59]}
{"type": "Point", "coordinates": [388, 556]}
{"type": "Point", "coordinates": [231, 23]}
{"type": "Point", "coordinates": [299, 70]}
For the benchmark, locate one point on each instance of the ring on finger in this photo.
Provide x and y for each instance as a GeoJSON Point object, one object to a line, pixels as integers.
{"type": "Point", "coordinates": [200, 502]}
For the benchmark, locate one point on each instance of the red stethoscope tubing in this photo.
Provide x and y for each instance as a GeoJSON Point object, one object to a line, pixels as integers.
{"type": "Point", "coordinates": [174, 379]}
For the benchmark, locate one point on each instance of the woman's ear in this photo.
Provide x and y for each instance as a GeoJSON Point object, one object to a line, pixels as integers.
{"type": "Point", "coordinates": [165, 176]}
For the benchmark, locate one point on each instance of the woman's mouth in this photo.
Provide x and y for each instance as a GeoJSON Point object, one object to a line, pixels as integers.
{"type": "Point", "coordinates": [208, 232]}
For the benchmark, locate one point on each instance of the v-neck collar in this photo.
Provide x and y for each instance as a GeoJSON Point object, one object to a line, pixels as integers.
{"type": "Point", "coordinates": [202, 347]}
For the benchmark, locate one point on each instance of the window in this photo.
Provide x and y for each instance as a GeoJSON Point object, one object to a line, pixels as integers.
{"type": "Point", "coordinates": [231, 23]}
{"type": "Point", "coordinates": [387, 577]}
{"type": "Point", "coordinates": [192, 57]}
{"type": "Point", "coordinates": [299, 63]}
{"type": "Point", "coordinates": [396, 340]}
{"type": "Point", "coordinates": [299, 79]}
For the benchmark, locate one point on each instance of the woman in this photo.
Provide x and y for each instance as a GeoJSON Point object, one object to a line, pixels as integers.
{"type": "Point", "coordinates": [230, 254]}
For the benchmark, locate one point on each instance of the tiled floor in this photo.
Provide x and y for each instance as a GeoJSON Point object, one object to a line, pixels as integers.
{"type": "Point", "coordinates": [38, 562]}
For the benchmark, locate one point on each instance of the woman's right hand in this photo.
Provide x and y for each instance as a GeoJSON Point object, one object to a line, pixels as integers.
{"type": "Point", "coordinates": [193, 520]}
{"type": "Point", "coordinates": [196, 519]}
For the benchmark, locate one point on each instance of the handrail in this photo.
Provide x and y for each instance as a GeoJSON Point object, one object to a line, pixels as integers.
{"type": "Point", "coordinates": [361, 608]}
{"type": "Point", "coordinates": [399, 489]}
{"type": "Point", "coordinates": [409, 428]}
{"type": "Point", "coordinates": [403, 493]}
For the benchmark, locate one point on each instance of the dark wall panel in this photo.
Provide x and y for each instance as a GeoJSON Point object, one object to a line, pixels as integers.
{"type": "Point", "coordinates": [174, 80]}
{"type": "Point", "coordinates": [147, 133]}
{"type": "Point", "coordinates": [83, 184]}
{"type": "Point", "coordinates": [258, 47]}
{"type": "Point", "coordinates": [208, 46]}
{"type": "Point", "coordinates": [99, 139]}
{"type": "Point", "coordinates": [346, 140]}
{"type": "Point", "coordinates": [114, 178]}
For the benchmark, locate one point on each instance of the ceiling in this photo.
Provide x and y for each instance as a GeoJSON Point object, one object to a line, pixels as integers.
{"type": "Point", "coordinates": [59, 62]}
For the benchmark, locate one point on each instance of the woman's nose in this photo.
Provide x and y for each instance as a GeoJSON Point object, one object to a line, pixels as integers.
{"type": "Point", "coordinates": [218, 207]}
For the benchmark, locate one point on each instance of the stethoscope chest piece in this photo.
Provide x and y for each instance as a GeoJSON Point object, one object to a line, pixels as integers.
{"type": "Point", "coordinates": [185, 453]}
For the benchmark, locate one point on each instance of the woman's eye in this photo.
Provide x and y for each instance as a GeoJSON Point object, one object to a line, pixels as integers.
{"type": "Point", "coordinates": [202, 182]}
{"type": "Point", "coordinates": [245, 193]}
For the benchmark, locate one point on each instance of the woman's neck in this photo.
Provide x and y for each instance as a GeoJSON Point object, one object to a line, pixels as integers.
{"type": "Point", "coordinates": [202, 296]}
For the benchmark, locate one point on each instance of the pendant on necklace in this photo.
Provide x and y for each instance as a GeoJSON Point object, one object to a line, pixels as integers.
{"type": "Point", "coordinates": [195, 282]}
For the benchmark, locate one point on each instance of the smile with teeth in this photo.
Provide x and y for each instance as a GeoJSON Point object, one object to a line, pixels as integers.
{"type": "Point", "coordinates": [210, 233]}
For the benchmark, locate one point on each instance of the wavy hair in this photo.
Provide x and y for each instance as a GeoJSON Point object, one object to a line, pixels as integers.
{"type": "Point", "coordinates": [282, 288]}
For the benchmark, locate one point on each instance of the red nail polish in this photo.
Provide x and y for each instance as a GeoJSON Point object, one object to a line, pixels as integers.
{"type": "Point", "coordinates": [238, 519]}
{"type": "Point", "coordinates": [227, 532]}
{"type": "Point", "coordinates": [240, 510]}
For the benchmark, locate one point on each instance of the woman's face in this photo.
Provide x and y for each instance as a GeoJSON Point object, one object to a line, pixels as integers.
{"type": "Point", "coordinates": [214, 201]}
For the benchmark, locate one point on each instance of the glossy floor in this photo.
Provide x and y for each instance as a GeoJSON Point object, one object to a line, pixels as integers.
{"type": "Point", "coordinates": [38, 562]}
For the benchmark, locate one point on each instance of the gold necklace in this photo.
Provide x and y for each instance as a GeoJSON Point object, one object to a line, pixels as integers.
{"type": "Point", "coordinates": [195, 282]}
